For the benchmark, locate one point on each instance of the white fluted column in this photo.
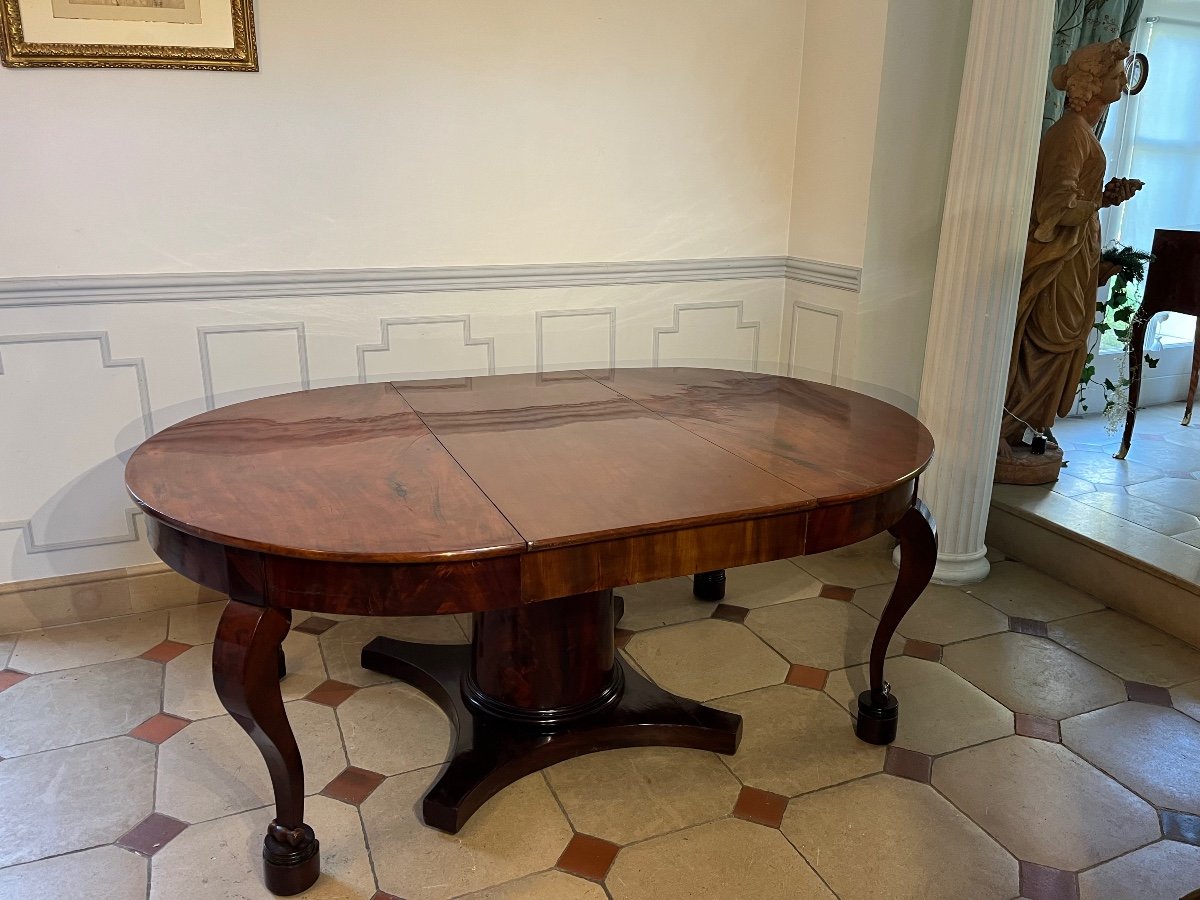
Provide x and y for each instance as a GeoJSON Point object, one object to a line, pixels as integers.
{"type": "Point", "coordinates": [978, 273]}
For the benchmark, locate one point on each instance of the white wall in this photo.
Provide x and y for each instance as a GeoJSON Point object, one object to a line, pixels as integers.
{"type": "Point", "coordinates": [439, 133]}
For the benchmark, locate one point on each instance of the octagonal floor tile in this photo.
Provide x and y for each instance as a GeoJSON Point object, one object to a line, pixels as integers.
{"type": "Point", "coordinates": [72, 706]}
{"type": "Point", "coordinates": [393, 728]}
{"type": "Point", "coordinates": [627, 795]}
{"type": "Point", "coordinates": [542, 886]}
{"type": "Point", "coordinates": [707, 659]}
{"type": "Point", "coordinates": [820, 632]}
{"type": "Point", "coordinates": [73, 798]}
{"type": "Point", "coordinates": [195, 624]}
{"type": "Point", "coordinates": [939, 712]}
{"type": "Point", "coordinates": [1034, 675]}
{"type": "Point", "coordinates": [1163, 871]}
{"type": "Point", "coordinates": [211, 768]}
{"type": "Point", "coordinates": [857, 566]}
{"type": "Point", "coordinates": [519, 831]}
{"type": "Point", "coordinates": [72, 646]}
{"type": "Point", "coordinates": [768, 583]}
{"type": "Point", "coordinates": [1045, 804]}
{"type": "Point", "coordinates": [1017, 590]}
{"type": "Point", "coordinates": [943, 615]}
{"type": "Point", "coordinates": [796, 740]}
{"type": "Point", "coordinates": [1178, 493]}
{"type": "Point", "coordinates": [342, 644]}
{"type": "Point", "coordinates": [222, 859]}
{"type": "Point", "coordinates": [1128, 648]}
{"type": "Point", "coordinates": [121, 872]}
{"type": "Point", "coordinates": [1146, 513]}
{"type": "Point", "coordinates": [1186, 698]}
{"type": "Point", "coordinates": [730, 858]}
{"type": "Point", "coordinates": [188, 689]}
{"type": "Point", "coordinates": [932, 849]}
{"type": "Point", "coordinates": [653, 604]}
{"type": "Point", "coordinates": [1099, 467]}
{"type": "Point", "coordinates": [1150, 749]}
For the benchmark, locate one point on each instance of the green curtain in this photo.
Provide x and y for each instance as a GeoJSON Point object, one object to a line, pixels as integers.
{"type": "Point", "coordinates": [1078, 23]}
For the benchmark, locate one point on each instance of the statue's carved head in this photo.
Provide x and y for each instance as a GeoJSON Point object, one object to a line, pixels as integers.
{"type": "Point", "coordinates": [1096, 71]}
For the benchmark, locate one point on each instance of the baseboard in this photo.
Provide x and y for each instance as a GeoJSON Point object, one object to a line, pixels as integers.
{"type": "Point", "coordinates": [71, 599]}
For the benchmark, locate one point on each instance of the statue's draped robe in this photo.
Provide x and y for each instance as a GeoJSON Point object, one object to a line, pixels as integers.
{"type": "Point", "coordinates": [1057, 303]}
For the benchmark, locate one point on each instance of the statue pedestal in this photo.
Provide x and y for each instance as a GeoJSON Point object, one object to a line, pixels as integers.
{"type": "Point", "coordinates": [1023, 467]}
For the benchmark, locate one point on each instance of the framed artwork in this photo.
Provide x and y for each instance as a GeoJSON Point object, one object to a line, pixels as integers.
{"type": "Point", "coordinates": [140, 34]}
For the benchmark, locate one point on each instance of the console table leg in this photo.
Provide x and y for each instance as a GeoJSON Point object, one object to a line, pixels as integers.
{"type": "Point", "coordinates": [246, 663]}
{"type": "Point", "coordinates": [878, 707]}
{"type": "Point", "coordinates": [709, 585]}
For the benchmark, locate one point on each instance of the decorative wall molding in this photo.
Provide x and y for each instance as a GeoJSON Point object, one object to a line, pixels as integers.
{"type": "Point", "coordinates": [837, 334]}
{"type": "Point", "coordinates": [199, 286]}
{"type": "Point", "coordinates": [543, 314]}
{"type": "Point", "coordinates": [205, 331]}
{"type": "Point", "coordinates": [385, 343]}
{"type": "Point", "coordinates": [673, 328]}
{"type": "Point", "coordinates": [25, 526]}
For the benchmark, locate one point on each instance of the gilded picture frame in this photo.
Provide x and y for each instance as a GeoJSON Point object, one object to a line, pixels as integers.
{"type": "Point", "coordinates": [137, 34]}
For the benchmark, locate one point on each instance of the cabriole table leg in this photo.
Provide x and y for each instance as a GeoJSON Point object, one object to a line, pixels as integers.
{"type": "Point", "coordinates": [878, 707]}
{"type": "Point", "coordinates": [246, 662]}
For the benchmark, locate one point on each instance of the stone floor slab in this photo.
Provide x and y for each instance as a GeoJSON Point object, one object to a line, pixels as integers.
{"type": "Point", "coordinates": [668, 601]}
{"type": "Point", "coordinates": [1162, 871]}
{"type": "Point", "coordinates": [1017, 590]}
{"type": "Point", "coordinates": [393, 728]}
{"type": "Point", "coordinates": [542, 886]}
{"type": "Point", "coordinates": [110, 871]}
{"type": "Point", "coordinates": [1034, 675]}
{"type": "Point", "coordinates": [1182, 494]}
{"type": "Point", "coordinates": [628, 795]}
{"type": "Point", "coordinates": [769, 583]}
{"type": "Point", "coordinates": [518, 832]}
{"type": "Point", "coordinates": [822, 633]}
{"type": "Point", "coordinates": [342, 645]}
{"type": "Point", "coordinates": [729, 859]}
{"type": "Point", "coordinates": [1128, 648]}
{"type": "Point", "coordinates": [942, 615]}
{"type": "Point", "coordinates": [707, 659]}
{"type": "Point", "coordinates": [939, 712]}
{"type": "Point", "coordinates": [1045, 804]}
{"type": "Point", "coordinates": [796, 740]}
{"type": "Point", "coordinates": [857, 566]}
{"type": "Point", "coordinates": [71, 646]}
{"type": "Point", "coordinates": [1150, 749]}
{"type": "Point", "coordinates": [1186, 699]}
{"type": "Point", "coordinates": [932, 849]}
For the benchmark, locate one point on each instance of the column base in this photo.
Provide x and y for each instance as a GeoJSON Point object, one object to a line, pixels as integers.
{"type": "Point", "coordinates": [956, 568]}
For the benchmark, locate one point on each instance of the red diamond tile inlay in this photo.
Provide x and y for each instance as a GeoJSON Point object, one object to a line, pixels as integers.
{"type": "Point", "coordinates": [730, 613]}
{"type": "Point", "coordinates": [837, 592]}
{"type": "Point", "coordinates": [1179, 826]}
{"type": "Point", "coordinates": [1040, 727]}
{"type": "Point", "coordinates": [383, 895]}
{"type": "Point", "coordinates": [623, 637]}
{"type": "Point", "coordinates": [587, 856]}
{"type": "Point", "coordinates": [1027, 626]}
{"type": "Point", "coordinates": [908, 764]}
{"type": "Point", "coordinates": [354, 785]}
{"type": "Point", "coordinates": [1147, 693]}
{"type": "Point", "coordinates": [8, 678]}
{"type": "Point", "coordinates": [159, 728]}
{"type": "Point", "coordinates": [332, 693]}
{"type": "Point", "coordinates": [315, 625]}
{"type": "Point", "coordinates": [166, 651]}
{"type": "Point", "coordinates": [151, 834]}
{"type": "Point", "coordinates": [762, 807]}
{"type": "Point", "coordinates": [923, 650]}
{"type": "Point", "coordinates": [806, 677]}
{"type": "Point", "coordinates": [1045, 883]}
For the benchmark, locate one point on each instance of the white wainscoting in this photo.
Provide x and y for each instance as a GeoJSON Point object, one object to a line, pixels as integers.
{"type": "Point", "coordinates": [90, 366]}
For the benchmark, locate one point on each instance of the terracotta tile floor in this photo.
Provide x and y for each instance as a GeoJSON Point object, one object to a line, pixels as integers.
{"type": "Point", "coordinates": [1048, 748]}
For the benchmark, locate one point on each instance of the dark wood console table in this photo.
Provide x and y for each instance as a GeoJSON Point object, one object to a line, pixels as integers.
{"type": "Point", "coordinates": [524, 500]}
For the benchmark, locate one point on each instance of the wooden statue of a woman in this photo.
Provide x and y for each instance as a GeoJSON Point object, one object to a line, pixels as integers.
{"type": "Point", "coordinates": [1057, 303]}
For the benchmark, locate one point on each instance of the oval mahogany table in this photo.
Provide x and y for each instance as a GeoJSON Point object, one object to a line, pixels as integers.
{"type": "Point", "coordinates": [524, 500]}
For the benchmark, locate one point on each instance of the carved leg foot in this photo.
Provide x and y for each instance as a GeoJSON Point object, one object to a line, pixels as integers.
{"type": "Point", "coordinates": [247, 658]}
{"type": "Point", "coordinates": [709, 585]}
{"type": "Point", "coordinates": [878, 707]}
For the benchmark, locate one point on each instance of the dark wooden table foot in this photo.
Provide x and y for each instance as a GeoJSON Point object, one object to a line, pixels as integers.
{"type": "Point", "coordinates": [709, 585]}
{"type": "Point", "coordinates": [246, 671]}
{"type": "Point", "coordinates": [503, 733]}
{"type": "Point", "coordinates": [878, 707]}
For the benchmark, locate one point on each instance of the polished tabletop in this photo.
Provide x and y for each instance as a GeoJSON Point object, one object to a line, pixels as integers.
{"type": "Point", "coordinates": [478, 468]}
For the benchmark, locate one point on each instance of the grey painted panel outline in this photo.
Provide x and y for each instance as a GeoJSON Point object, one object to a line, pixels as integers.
{"type": "Point", "coordinates": [138, 364]}
{"type": "Point", "coordinates": [673, 328]}
{"type": "Point", "coordinates": [204, 331]}
{"type": "Point", "coordinates": [837, 335]}
{"type": "Point", "coordinates": [75, 290]}
{"type": "Point", "coordinates": [385, 342]}
{"type": "Point", "coordinates": [610, 311]}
